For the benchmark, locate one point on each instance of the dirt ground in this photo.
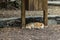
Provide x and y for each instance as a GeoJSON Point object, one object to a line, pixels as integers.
{"type": "Point", "coordinates": [15, 33]}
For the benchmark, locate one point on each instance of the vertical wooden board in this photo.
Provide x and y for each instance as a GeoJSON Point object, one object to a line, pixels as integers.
{"type": "Point", "coordinates": [36, 4]}
{"type": "Point", "coordinates": [31, 5]}
{"type": "Point", "coordinates": [40, 5]}
{"type": "Point", "coordinates": [44, 4]}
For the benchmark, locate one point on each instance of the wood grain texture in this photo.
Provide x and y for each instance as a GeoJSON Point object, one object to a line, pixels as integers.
{"type": "Point", "coordinates": [23, 13]}
{"type": "Point", "coordinates": [45, 11]}
{"type": "Point", "coordinates": [35, 5]}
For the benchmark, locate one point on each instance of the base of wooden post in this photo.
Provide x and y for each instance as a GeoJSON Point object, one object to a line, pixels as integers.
{"type": "Point", "coordinates": [45, 17]}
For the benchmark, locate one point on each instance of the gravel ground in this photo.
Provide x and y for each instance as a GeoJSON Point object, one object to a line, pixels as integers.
{"type": "Point", "coordinates": [15, 33]}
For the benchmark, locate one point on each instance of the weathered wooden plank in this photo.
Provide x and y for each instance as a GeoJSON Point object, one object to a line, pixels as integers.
{"type": "Point", "coordinates": [39, 5]}
{"type": "Point", "coordinates": [31, 4]}
{"type": "Point", "coordinates": [23, 13]}
{"type": "Point", "coordinates": [45, 11]}
{"type": "Point", "coordinates": [36, 4]}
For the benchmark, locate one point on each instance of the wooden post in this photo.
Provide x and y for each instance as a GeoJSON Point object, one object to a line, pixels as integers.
{"type": "Point", "coordinates": [23, 13]}
{"type": "Point", "coordinates": [45, 11]}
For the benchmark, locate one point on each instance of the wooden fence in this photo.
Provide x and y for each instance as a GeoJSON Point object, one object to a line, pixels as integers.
{"type": "Point", "coordinates": [34, 5]}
